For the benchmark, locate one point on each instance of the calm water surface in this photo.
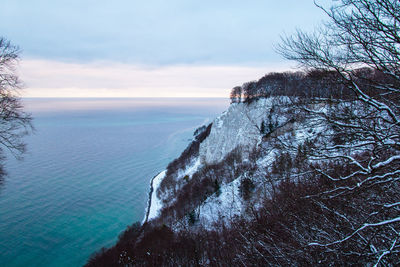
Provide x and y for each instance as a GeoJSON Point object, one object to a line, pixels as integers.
{"type": "Point", "coordinates": [87, 171]}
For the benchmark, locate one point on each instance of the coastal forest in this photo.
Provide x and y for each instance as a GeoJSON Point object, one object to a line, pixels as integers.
{"type": "Point", "coordinates": [308, 165]}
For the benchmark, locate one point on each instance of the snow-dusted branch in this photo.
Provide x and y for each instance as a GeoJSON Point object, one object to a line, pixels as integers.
{"type": "Point", "coordinates": [367, 225]}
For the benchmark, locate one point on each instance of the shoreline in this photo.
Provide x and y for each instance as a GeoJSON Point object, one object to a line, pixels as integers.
{"type": "Point", "coordinates": [147, 212]}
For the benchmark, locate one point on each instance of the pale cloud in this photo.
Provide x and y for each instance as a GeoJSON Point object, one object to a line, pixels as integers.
{"type": "Point", "coordinates": [157, 32]}
{"type": "Point", "coordinates": [45, 78]}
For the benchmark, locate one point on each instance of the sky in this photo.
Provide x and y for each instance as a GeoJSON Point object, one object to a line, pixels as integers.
{"type": "Point", "coordinates": [152, 48]}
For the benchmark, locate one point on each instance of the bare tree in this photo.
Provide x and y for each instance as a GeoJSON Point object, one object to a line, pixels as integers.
{"type": "Point", "coordinates": [361, 43]}
{"type": "Point", "coordinates": [236, 94]}
{"type": "Point", "coordinates": [14, 121]}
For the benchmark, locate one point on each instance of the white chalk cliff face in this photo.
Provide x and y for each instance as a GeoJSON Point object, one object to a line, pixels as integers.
{"type": "Point", "coordinates": [238, 126]}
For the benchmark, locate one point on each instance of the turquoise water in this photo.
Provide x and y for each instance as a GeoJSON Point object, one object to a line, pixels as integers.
{"type": "Point", "coordinates": [87, 171]}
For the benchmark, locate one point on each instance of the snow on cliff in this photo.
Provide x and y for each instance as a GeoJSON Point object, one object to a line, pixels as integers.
{"type": "Point", "coordinates": [238, 126]}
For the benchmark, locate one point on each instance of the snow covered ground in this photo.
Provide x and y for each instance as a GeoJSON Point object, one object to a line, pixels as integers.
{"type": "Point", "coordinates": [226, 205]}
{"type": "Point", "coordinates": [190, 170]}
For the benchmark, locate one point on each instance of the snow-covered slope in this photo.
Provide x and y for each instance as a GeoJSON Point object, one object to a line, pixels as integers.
{"type": "Point", "coordinates": [223, 206]}
{"type": "Point", "coordinates": [241, 144]}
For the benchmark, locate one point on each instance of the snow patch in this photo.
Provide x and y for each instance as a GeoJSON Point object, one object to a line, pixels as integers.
{"type": "Point", "coordinates": [189, 171]}
{"type": "Point", "coordinates": [225, 206]}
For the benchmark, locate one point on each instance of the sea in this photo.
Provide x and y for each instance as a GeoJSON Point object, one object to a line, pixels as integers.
{"type": "Point", "coordinates": [87, 171]}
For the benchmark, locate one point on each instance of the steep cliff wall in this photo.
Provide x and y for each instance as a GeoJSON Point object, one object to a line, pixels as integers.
{"type": "Point", "coordinates": [238, 126]}
{"type": "Point", "coordinates": [215, 169]}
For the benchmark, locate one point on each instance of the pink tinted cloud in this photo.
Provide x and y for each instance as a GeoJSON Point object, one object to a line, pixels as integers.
{"type": "Point", "coordinates": [44, 78]}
